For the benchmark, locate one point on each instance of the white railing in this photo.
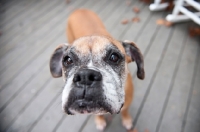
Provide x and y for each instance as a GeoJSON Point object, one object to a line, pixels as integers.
{"type": "Point", "coordinates": [180, 7]}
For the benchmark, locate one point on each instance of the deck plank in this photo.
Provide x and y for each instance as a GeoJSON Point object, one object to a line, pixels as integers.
{"type": "Point", "coordinates": [72, 123]}
{"type": "Point", "coordinates": [153, 60]}
{"type": "Point", "coordinates": [51, 118]}
{"type": "Point", "coordinates": [22, 11]}
{"type": "Point", "coordinates": [127, 14]}
{"type": "Point", "coordinates": [160, 86]}
{"type": "Point", "coordinates": [146, 42]}
{"type": "Point", "coordinates": [27, 26]}
{"type": "Point", "coordinates": [23, 99]}
{"type": "Point", "coordinates": [23, 89]}
{"type": "Point", "coordinates": [14, 9]}
{"type": "Point", "coordinates": [10, 54]}
{"type": "Point", "coordinates": [114, 18]}
{"type": "Point", "coordinates": [36, 108]}
{"type": "Point", "coordinates": [22, 77]}
{"type": "Point", "coordinates": [177, 103]}
{"type": "Point", "coordinates": [192, 119]}
{"type": "Point", "coordinates": [6, 76]}
{"type": "Point", "coordinates": [9, 9]}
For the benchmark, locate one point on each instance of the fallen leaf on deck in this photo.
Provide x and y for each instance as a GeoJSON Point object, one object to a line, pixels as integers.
{"type": "Point", "coordinates": [135, 130]}
{"type": "Point", "coordinates": [194, 92]}
{"type": "Point", "coordinates": [128, 2]}
{"type": "Point", "coordinates": [146, 130]}
{"type": "Point", "coordinates": [70, 8]}
{"type": "Point", "coordinates": [67, 1]}
{"type": "Point", "coordinates": [160, 22]}
{"type": "Point", "coordinates": [194, 31]}
{"type": "Point", "coordinates": [168, 24]}
{"type": "Point", "coordinates": [136, 10]}
{"type": "Point", "coordinates": [135, 19]}
{"type": "Point", "coordinates": [164, 22]}
{"type": "Point", "coordinates": [125, 21]}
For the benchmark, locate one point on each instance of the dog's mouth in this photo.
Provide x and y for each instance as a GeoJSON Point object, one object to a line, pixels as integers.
{"type": "Point", "coordinates": [83, 106]}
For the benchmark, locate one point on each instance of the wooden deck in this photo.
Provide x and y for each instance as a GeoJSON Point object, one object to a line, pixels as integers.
{"type": "Point", "coordinates": [168, 100]}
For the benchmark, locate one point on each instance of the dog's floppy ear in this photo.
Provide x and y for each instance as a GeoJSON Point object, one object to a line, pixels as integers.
{"type": "Point", "coordinates": [134, 54]}
{"type": "Point", "coordinates": [56, 60]}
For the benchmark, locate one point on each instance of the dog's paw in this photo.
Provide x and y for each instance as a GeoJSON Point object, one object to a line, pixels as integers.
{"type": "Point", "coordinates": [101, 124]}
{"type": "Point", "coordinates": [127, 123]}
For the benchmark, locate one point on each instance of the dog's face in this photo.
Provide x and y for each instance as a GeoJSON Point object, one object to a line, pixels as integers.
{"type": "Point", "coordinates": [94, 69]}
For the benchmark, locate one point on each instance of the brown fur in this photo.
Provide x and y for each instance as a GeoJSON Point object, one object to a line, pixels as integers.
{"type": "Point", "coordinates": [78, 27]}
{"type": "Point", "coordinates": [83, 22]}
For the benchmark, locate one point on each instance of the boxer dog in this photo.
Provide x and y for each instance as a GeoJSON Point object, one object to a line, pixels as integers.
{"type": "Point", "coordinates": [94, 67]}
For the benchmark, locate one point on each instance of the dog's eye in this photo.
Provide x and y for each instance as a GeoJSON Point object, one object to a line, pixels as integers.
{"type": "Point", "coordinates": [67, 61]}
{"type": "Point", "coordinates": [114, 57]}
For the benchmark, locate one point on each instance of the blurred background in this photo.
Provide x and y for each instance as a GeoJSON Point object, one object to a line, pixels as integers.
{"type": "Point", "coordinates": [168, 100]}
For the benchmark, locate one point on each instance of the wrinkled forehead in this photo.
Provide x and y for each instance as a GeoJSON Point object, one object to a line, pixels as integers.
{"type": "Point", "coordinates": [95, 45]}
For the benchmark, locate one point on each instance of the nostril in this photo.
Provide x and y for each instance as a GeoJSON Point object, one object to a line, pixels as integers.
{"type": "Point", "coordinates": [77, 78]}
{"type": "Point", "coordinates": [94, 77]}
{"type": "Point", "coordinates": [91, 77]}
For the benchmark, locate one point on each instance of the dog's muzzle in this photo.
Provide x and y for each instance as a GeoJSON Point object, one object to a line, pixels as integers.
{"type": "Point", "coordinates": [86, 95]}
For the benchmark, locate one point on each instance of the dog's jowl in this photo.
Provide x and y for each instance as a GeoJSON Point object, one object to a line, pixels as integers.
{"type": "Point", "coordinates": [94, 68]}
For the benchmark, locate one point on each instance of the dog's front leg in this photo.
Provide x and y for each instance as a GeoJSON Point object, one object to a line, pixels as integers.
{"type": "Point", "coordinates": [127, 121]}
{"type": "Point", "coordinates": [100, 122]}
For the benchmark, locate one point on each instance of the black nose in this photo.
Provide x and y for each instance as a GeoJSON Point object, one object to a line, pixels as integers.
{"type": "Point", "coordinates": [87, 77]}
